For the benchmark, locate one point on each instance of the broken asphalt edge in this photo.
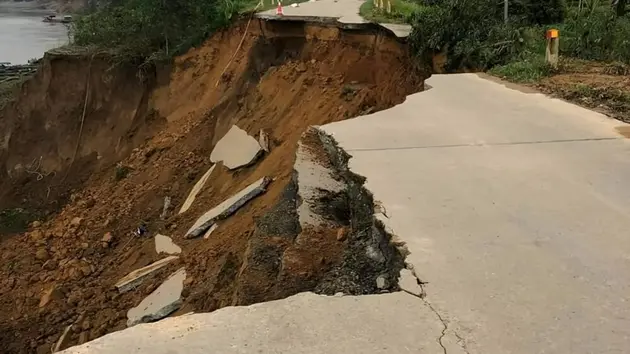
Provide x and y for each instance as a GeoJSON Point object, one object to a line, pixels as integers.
{"type": "Point", "coordinates": [407, 280]}
{"type": "Point", "coordinates": [329, 20]}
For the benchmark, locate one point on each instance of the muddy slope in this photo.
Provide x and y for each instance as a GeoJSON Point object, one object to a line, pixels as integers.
{"type": "Point", "coordinates": [144, 140]}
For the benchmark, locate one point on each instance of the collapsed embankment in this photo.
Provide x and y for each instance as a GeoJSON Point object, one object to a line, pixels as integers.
{"type": "Point", "coordinates": [103, 162]}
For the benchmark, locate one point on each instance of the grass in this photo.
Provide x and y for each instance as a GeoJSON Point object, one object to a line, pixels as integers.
{"type": "Point", "coordinates": [401, 11]}
{"type": "Point", "coordinates": [528, 70]}
{"type": "Point", "coordinates": [15, 220]}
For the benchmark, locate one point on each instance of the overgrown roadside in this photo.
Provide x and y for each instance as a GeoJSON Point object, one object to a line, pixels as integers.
{"type": "Point", "coordinates": [466, 35]}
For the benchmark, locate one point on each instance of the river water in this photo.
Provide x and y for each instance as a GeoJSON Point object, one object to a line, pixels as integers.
{"type": "Point", "coordinates": [24, 36]}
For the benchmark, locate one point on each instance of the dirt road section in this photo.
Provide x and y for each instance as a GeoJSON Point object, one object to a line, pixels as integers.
{"type": "Point", "coordinates": [93, 178]}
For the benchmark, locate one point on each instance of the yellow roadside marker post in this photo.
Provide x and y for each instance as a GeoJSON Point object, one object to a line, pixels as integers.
{"type": "Point", "coordinates": [553, 47]}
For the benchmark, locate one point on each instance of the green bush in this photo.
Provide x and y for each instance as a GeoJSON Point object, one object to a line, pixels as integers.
{"type": "Point", "coordinates": [470, 36]}
{"type": "Point", "coordinates": [597, 34]}
{"type": "Point", "coordinates": [153, 27]}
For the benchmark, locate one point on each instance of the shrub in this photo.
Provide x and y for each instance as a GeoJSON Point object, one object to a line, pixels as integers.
{"type": "Point", "coordinates": [153, 27]}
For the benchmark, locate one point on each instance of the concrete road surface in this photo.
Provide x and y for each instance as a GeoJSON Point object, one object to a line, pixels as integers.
{"type": "Point", "coordinates": [516, 210]}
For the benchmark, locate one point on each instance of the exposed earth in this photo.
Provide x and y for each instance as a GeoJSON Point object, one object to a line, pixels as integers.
{"type": "Point", "coordinates": [90, 148]}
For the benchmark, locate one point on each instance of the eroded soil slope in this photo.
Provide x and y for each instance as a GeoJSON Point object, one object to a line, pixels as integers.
{"type": "Point", "coordinates": [144, 140]}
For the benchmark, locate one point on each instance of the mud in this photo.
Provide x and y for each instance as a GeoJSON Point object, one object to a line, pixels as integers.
{"type": "Point", "coordinates": [160, 131]}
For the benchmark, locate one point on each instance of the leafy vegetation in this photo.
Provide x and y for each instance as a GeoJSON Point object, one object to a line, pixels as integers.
{"type": "Point", "coordinates": [472, 35]}
{"type": "Point", "coordinates": [154, 29]}
{"type": "Point", "coordinates": [15, 220]}
{"type": "Point", "coordinates": [401, 11]}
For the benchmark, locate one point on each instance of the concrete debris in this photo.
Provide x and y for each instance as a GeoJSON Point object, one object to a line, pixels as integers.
{"type": "Point", "coordinates": [165, 209]}
{"type": "Point", "coordinates": [196, 189]}
{"type": "Point", "coordinates": [409, 283]}
{"type": "Point", "coordinates": [382, 282]}
{"type": "Point", "coordinates": [136, 277]}
{"type": "Point", "coordinates": [210, 231]}
{"type": "Point", "coordinates": [164, 244]}
{"type": "Point", "coordinates": [63, 341]}
{"type": "Point", "coordinates": [236, 149]}
{"type": "Point", "coordinates": [160, 303]}
{"type": "Point", "coordinates": [263, 140]}
{"type": "Point", "coordinates": [314, 179]}
{"type": "Point", "coordinates": [228, 207]}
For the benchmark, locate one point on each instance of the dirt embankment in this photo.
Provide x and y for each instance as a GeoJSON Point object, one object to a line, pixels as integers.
{"type": "Point", "coordinates": [140, 141]}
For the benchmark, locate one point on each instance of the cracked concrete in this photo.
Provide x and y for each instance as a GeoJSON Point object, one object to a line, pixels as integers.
{"type": "Point", "coordinates": [501, 197]}
{"type": "Point", "coordinates": [302, 324]}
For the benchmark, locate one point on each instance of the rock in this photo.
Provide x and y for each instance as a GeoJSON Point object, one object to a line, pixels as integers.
{"type": "Point", "coordinates": [164, 244]}
{"type": "Point", "coordinates": [160, 303]}
{"type": "Point", "coordinates": [49, 295]}
{"type": "Point", "coordinates": [301, 67]}
{"type": "Point", "coordinates": [86, 325]}
{"type": "Point", "coordinates": [236, 149]}
{"type": "Point", "coordinates": [195, 190]}
{"type": "Point", "coordinates": [341, 234]}
{"type": "Point", "coordinates": [263, 140]}
{"type": "Point", "coordinates": [382, 282]}
{"type": "Point", "coordinates": [84, 337]}
{"type": "Point", "coordinates": [166, 207]}
{"type": "Point", "coordinates": [37, 235]}
{"type": "Point", "coordinates": [42, 254]}
{"type": "Point", "coordinates": [136, 277]}
{"type": "Point", "coordinates": [107, 238]}
{"type": "Point", "coordinates": [76, 221]}
{"type": "Point", "coordinates": [228, 207]}
{"type": "Point", "coordinates": [36, 224]}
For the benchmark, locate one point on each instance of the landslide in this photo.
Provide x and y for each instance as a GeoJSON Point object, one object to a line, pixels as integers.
{"type": "Point", "coordinates": [100, 163]}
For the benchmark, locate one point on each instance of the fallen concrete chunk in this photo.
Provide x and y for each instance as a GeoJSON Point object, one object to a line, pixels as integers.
{"type": "Point", "coordinates": [160, 303]}
{"type": "Point", "coordinates": [263, 140]}
{"type": "Point", "coordinates": [315, 180]}
{"type": "Point", "coordinates": [236, 149]}
{"type": "Point", "coordinates": [164, 244]}
{"type": "Point", "coordinates": [196, 189]}
{"type": "Point", "coordinates": [228, 207]}
{"type": "Point", "coordinates": [63, 341]}
{"type": "Point", "coordinates": [136, 277]}
{"type": "Point", "coordinates": [210, 231]}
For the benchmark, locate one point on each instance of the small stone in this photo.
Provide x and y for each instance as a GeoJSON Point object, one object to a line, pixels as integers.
{"type": "Point", "coordinates": [42, 254]}
{"type": "Point", "coordinates": [85, 245]}
{"type": "Point", "coordinates": [36, 224]}
{"type": "Point", "coordinates": [37, 235]}
{"type": "Point", "coordinates": [49, 295]}
{"type": "Point", "coordinates": [108, 238]}
{"type": "Point", "coordinates": [76, 221]}
{"type": "Point", "coordinates": [86, 270]}
{"type": "Point", "coordinates": [301, 67]}
{"type": "Point", "coordinates": [84, 337]}
{"type": "Point", "coordinates": [341, 234]}
{"type": "Point", "coordinates": [382, 282]}
{"type": "Point", "coordinates": [86, 325]}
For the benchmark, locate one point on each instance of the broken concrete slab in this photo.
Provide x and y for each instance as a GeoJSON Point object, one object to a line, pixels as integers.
{"type": "Point", "coordinates": [315, 180]}
{"type": "Point", "coordinates": [236, 149]}
{"type": "Point", "coordinates": [164, 244]}
{"type": "Point", "coordinates": [136, 277]}
{"type": "Point", "coordinates": [196, 189]}
{"type": "Point", "coordinates": [210, 231]}
{"type": "Point", "coordinates": [409, 283]}
{"type": "Point", "coordinates": [165, 300]}
{"type": "Point", "coordinates": [263, 140]}
{"type": "Point", "coordinates": [228, 207]}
